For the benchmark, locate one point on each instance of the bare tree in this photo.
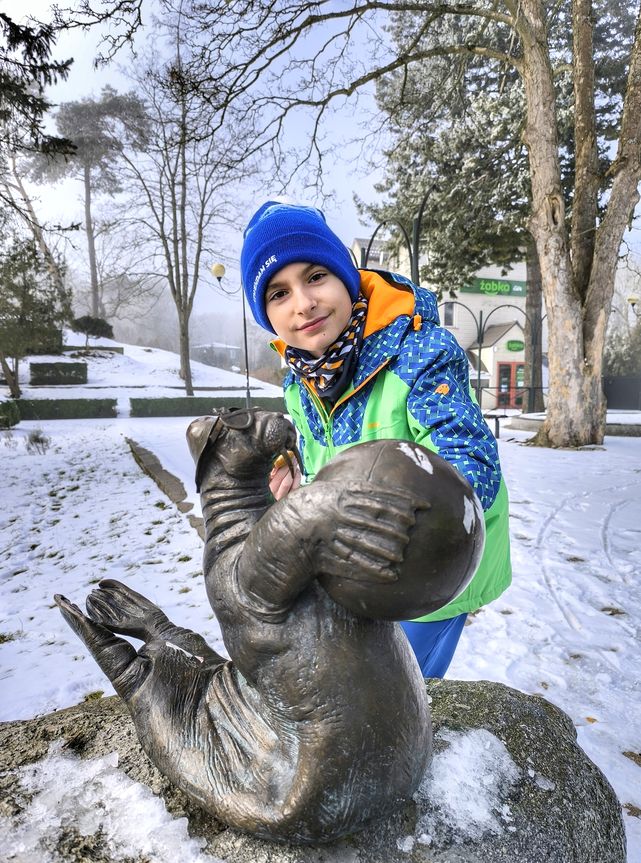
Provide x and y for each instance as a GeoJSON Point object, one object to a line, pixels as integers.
{"type": "Point", "coordinates": [125, 288]}
{"type": "Point", "coordinates": [14, 192]}
{"type": "Point", "coordinates": [187, 183]}
{"type": "Point", "coordinates": [101, 129]}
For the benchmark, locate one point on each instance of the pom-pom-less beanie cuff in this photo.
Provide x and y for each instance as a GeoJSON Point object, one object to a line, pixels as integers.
{"type": "Point", "coordinates": [282, 234]}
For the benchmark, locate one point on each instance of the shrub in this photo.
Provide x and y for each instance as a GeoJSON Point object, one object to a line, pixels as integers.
{"type": "Point", "coordinates": [194, 406]}
{"type": "Point", "coordinates": [97, 328]}
{"type": "Point", "coordinates": [67, 409]}
{"type": "Point", "coordinates": [37, 442]}
{"type": "Point", "coordinates": [53, 374]}
{"type": "Point", "coordinates": [9, 414]}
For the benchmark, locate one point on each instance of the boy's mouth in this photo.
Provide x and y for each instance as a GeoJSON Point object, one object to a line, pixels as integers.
{"type": "Point", "coordinates": [312, 325]}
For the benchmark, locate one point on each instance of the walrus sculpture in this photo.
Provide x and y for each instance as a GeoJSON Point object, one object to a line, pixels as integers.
{"type": "Point", "coordinates": [320, 721]}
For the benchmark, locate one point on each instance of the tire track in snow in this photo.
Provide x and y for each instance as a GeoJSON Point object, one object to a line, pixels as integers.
{"type": "Point", "coordinates": [565, 610]}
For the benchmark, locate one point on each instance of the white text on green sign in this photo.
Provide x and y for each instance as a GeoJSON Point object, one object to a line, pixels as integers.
{"type": "Point", "coordinates": [496, 287]}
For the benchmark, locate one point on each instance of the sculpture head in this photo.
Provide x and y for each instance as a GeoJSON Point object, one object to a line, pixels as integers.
{"type": "Point", "coordinates": [244, 441]}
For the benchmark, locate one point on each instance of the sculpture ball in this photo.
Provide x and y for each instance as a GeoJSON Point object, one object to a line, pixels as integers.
{"type": "Point", "coordinates": [445, 543]}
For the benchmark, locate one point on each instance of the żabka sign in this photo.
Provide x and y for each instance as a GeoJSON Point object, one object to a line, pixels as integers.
{"type": "Point", "coordinates": [495, 287]}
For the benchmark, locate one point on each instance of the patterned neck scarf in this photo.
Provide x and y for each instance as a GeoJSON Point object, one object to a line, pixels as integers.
{"type": "Point", "coordinates": [332, 372]}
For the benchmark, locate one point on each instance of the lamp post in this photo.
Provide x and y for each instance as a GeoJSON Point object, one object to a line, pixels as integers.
{"type": "Point", "coordinates": [412, 242]}
{"type": "Point", "coordinates": [218, 271]}
{"type": "Point", "coordinates": [633, 302]}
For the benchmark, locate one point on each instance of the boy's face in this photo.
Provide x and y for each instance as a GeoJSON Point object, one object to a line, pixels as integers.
{"type": "Point", "coordinates": [307, 306]}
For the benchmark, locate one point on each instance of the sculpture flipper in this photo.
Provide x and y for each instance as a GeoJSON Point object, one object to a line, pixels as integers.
{"type": "Point", "coordinates": [119, 660]}
{"type": "Point", "coordinates": [128, 612]}
{"type": "Point", "coordinates": [370, 533]}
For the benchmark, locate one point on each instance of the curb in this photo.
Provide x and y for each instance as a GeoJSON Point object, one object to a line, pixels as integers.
{"type": "Point", "coordinates": [615, 429]}
{"type": "Point", "coordinates": [166, 482]}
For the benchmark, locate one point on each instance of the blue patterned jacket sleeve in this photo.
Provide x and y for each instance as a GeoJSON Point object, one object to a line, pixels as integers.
{"type": "Point", "coordinates": [443, 415]}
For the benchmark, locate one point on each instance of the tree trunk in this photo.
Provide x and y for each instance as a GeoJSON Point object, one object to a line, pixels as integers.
{"type": "Point", "coordinates": [534, 341]}
{"type": "Point", "coordinates": [11, 379]}
{"type": "Point", "coordinates": [573, 416]}
{"type": "Point", "coordinates": [587, 175]}
{"type": "Point", "coordinates": [96, 309]}
{"type": "Point", "coordinates": [577, 318]}
{"type": "Point", "coordinates": [182, 255]}
{"type": "Point", "coordinates": [185, 365]}
{"type": "Point", "coordinates": [29, 215]}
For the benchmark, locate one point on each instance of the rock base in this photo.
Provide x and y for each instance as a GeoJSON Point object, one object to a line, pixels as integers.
{"type": "Point", "coordinates": [508, 783]}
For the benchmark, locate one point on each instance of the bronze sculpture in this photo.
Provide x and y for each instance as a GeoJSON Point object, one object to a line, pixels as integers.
{"type": "Point", "coordinates": [320, 721]}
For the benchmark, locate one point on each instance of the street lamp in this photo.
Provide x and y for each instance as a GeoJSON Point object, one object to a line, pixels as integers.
{"type": "Point", "coordinates": [633, 302]}
{"type": "Point", "coordinates": [218, 271]}
{"type": "Point", "coordinates": [412, 242]}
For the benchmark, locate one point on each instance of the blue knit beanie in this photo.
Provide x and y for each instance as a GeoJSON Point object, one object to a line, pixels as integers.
{"type": "Point", "coordinates": [282, 234]}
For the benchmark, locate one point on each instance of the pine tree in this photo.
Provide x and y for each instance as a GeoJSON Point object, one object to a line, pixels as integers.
{"type": "Point", "coordinates": [32, 308]}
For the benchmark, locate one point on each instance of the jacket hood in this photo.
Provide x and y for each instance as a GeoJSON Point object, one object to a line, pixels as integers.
{"type": "Point", "coordinates": [391, 295]}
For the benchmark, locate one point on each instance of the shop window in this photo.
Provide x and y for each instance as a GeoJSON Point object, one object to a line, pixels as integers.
{"type": "Point", "coordinates": [447, 314]}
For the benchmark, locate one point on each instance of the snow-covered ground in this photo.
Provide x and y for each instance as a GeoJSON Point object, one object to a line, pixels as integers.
{"type": "Point", "coordinates": [138, 372]}
{"type": "Point", "coordinates": [569, 627]}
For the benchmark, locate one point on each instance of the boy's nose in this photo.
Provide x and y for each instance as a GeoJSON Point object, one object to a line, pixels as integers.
{"type": "Point", "coordinates": [305, 302]}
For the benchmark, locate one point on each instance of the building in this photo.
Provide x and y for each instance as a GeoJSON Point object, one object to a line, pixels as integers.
{"type": "Point", "coordinates": [378, 257]}
{"type": "Point", "coordinates": [217, 354]}
{"type": "Point", "coordinates": [489, 322]}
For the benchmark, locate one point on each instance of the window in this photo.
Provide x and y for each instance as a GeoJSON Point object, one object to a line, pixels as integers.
{"type": "Point", "coordinates": [448, 314]}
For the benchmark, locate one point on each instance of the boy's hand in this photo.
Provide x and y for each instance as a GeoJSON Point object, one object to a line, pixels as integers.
{"type": "Point", "coordinates": [281, 481]}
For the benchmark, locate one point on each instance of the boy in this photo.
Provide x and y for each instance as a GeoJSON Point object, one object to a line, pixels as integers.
{"type": "Point", "coordinates": [369, 360]}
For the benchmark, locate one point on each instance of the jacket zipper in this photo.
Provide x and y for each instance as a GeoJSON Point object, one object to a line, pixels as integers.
{"type": "Point", "coordinates": [328, 418]}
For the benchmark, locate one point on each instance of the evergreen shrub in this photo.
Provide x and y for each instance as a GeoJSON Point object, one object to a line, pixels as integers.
{"type": "Point", "coordinates": [9, 414]}
{"type": "Point", "coordinates": [195, 406]}
{"type": "Point", "coordinates": [53, 374]}
{"type": "Point", "coordinates": [67, 409]}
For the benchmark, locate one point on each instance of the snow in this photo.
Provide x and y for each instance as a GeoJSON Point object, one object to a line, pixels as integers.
{"type": "Point", "coordinates": [138, 372]}
{"type": "Point", "coordinates": [90, 796]}
{"type": "Point", "coordinates": [466, 785]}
{"type": "Point", "coordinates": [567, 629]}
{"type": "Point", "coordinates": [615, 417]}
{"type": "Point", "coordinates": [419, 458]}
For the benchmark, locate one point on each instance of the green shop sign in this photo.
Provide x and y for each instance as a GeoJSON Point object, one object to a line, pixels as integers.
{"type": "Point", "coordinates": [515, 345]}
{"type": "Point", "coordinates": [495, 287]}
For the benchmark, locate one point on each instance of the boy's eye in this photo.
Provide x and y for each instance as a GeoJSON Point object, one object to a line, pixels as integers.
{"type": "Point", "coordinates": [319, 274]}
{"type": "Point", "coordinates": [275, 295]}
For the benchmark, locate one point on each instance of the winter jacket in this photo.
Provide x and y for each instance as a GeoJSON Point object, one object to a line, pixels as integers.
{"type": "Point", "coordinates": [412, 383]}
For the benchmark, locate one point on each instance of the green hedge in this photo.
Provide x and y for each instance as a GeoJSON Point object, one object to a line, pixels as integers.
{"type": "Point", "coordinates": [67, 409]}
{"type": "Point", "coordinates": [9, 414]}
{"type": "Point", "coordinates": [52, 374]}
{"type": "Point", "coordinates": [195, 406]}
